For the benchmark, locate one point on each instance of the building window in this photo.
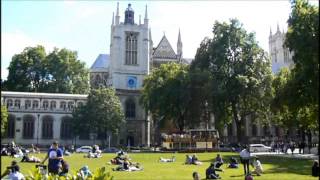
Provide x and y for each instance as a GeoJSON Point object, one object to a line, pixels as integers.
{"type": "Point", "coordinates": [52, 105]}
{"type": "Point", "coordinates": [9, 103]}
{"type": "Point", "coordinates": [17, 103]}
{"type": "Point", "coordinates": [70, 105]}
{"type": "Point", "coordinates": [28, 126]}
{"type": "Point", "coordinates": [45, 104]}
{"type": "Point", "coordinates": [254, 130]}
{"type": "Point", "coordinates": [11, 126]}
{"type": "Point", "coordinates": [130, 109]}
{"type": "Point", "coordinates": [131, 48]}
{"type": "Point", "coordinates": [66, 128]}
{"type": "Point", "coordinates": [63, 105]}
{"type": "Point", "coordinates": [47, 127]}
{"type": "Point", "coordinates": [266, 130]}
{"type": "Point", "coordinates": [35, 104]}
{"type": "Point", "coordinates": [80, 104]}
{"type": "Point", "coordinates": [27, 104]}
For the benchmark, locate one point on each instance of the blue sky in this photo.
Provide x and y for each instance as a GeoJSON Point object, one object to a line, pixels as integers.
{"type": "Point", "coordinates": [84, 26]}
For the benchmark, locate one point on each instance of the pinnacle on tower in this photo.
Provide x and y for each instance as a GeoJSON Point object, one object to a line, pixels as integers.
{"type": "Point", "coordinates": [278, 29]}
{"type": "Point", "coordinates": [112, 18]}
{"type": "Point", "coordinates": [117, 15]}
{"type": "Point", "coordinates": [146, 20]}
{"type": "Point", "coordinates": [179, 46]}
{"type": "Point", "coordinates": [139, 19]}
{"type": "Point", "coordinates": [270, 32]}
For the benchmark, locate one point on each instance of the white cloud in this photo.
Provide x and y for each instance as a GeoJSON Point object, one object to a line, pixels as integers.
{"type": "Point", "coordinates": [13, 43]}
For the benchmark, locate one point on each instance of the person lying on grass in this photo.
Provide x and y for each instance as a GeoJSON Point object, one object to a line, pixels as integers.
{"type": "Point", "coordinates": [31, 159]}
{"type": "Point", "coordinates": [128, 166]}
{"type": "Point", "coordinates": [233, 163]}
{"type": "Point", "coordinates": [172, 159]}
{"type": "Point", "coordinates": [93, 155]}
{"type": "Point", "coordinates": [192, 160]}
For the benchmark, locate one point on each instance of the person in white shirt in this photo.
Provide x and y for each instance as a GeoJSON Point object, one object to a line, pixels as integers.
{"type": "Point", "coordinates": [13, 172]}
{"type": "Point", "coordinates": [257, 166]}
{"type": "Point", "coordinates": [244, 158]}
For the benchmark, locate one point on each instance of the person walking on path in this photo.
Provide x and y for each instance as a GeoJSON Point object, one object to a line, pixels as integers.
{"type": "Point", "coordinates": [244, 158]}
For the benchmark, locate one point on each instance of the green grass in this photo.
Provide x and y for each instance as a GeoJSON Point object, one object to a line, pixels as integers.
{"type": "Point", "coordinates": [274, 167]}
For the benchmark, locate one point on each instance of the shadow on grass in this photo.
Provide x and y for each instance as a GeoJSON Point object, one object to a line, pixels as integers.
{"type": "Point", "coordinates": [278, 164]}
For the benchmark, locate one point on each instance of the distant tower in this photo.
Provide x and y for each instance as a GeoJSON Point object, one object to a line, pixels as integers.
{"type": "Point", "coordinates": [179, 47]}
{"type": "Point", "coordinates": [280, 55]}
{"type": "Point", "coordinates": [129, 15]}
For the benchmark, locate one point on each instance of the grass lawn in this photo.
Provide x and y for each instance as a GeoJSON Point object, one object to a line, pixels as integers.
{"type": "Point", "coordinates": [274, 167]}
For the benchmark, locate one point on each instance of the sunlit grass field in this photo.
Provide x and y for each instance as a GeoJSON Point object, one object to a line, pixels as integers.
{"type": "Point", "coordinates": [275, 168]}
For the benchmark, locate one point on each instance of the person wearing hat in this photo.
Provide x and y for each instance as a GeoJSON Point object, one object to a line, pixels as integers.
{"type": "Point", "coordinates": [55, 156]}
{"type": "Point", "coordinates": [13, 172]}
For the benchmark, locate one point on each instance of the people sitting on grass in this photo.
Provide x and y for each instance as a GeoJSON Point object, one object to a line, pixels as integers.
{"type": "Point", "coordinates": [128, 166]}
{"type": "Point", "coordinates": [233, 163]}
{"type": "Point", "coordinates": [211, 170]}
{"type": "Point", "coordinates": [119, 158]}
{"type": "Point", "coordinates": [315, 168]}
{"type": "Point", "coordinates": [192, 160]}
{"type": "Point", "coordinates": [93, 155]}
{"type": "Point", "coordinates": [64, 168]}
{"type": "Point", "coordinates": [172, 159]}
{"type": "Point", "coordinates": [13, 172]}
{"type": "Point", "coordinates": [84, 172]}
{"type": "Point", "coordinates": [195, 176]}
{"type": "Point", "coordinates": [219, 158]}
{"type": "Point", "coordinates": [31, 159]}
{"type": "Point", "coordinates": [4, 152]}
{"type": "Point", "coordinates": [257, 166]}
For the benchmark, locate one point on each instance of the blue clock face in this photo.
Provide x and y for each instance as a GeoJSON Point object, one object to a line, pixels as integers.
{"type": "Point", "coordinates": [132, 82]}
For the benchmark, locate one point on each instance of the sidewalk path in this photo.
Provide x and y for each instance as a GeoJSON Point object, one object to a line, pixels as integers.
{"type": "Point", "coordinates": [289, 155]}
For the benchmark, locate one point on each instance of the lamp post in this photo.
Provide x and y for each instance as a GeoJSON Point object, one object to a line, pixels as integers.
{"type": "Point", "coordinates": [38, 130]}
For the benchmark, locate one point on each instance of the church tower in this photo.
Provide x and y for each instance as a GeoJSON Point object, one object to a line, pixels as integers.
{"type": "Point", "coordinates": [179, 47]}
{"type": "Point", "coordinates": [129, 65]}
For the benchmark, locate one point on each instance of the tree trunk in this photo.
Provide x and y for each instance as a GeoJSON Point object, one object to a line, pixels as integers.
{"type": "Point", "coordinates": [238, 123]}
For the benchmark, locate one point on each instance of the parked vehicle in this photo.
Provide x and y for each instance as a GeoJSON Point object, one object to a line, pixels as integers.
{"type": "Point", "coordinates": [84, 149]}
{"type": "Point", "coordinates": [110, 150]}
{"type": "Point", "coordinates": [259, 148]}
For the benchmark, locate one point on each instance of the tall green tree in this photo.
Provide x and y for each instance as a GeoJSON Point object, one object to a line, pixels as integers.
{"type": "Point", "coordinates": [101, 114]}
{"type": "Point", "coordinates": [240, 74]}
{"type": "Point", "coordinates": [4, 119]}
{"type": "Point", "coordinates": [60, 71]}
{"type": "Point", "coordinates": [303, 39]}
{"type": "Point", "coordinates": [166, 94]}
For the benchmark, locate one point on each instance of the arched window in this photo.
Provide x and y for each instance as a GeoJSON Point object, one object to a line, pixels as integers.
{"type": "Point", "coordinates": [28, 126]}
{"type": "Point", "coordinates": [52, 105]}
{"type": "Point", "coordinates": [66, 128]}
{"type": "Point", "coordinates": [11, 126]}
{"type": "Point", "coordinates": [131, 48]}
{"type": "Point", "coordinates": [130, 109]}
{"type": "Point", "coordinates": [17, 103]}
{"type": "Point", "coordinates": [266, 130]}
{"type": "Point", "coordinates": [63, 105]}
{"type": "Point", "coordinates": [47, 127]}
{"type": "Point", "coordinates": [70, 105]}
{"type": "Point", "coordinates": [35, 104]}
{"type": "Point", "coordinates": [45, 104]}
{"type": "Point", "coordinates": [254, 130]}
{"type": "Point", "coordinates": [97, 80]}
{"type": "Point", "coordinates": [9, 103]}
{"type": "Point", "coordinates": [80, 104]}
{"type": "Point", "coordinates": [27, 104]}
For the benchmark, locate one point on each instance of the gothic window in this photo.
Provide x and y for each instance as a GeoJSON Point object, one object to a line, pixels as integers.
{"type": "Point", "coordinates": [70, 105]}
{"type": "Point", "coordinates": [66, 128]}
{"type": "Point", "coordinates": [45, 104]}
{"type": "Point", "coordinates": [80, 104]}
{"type": "Point", "coordinates": [17, 103]}
{"type": "Point", "coordinates": [35, 104]}
{"type": "Point", "coordinates": [63, 105]}
{"type": "Point", "coordinates": [47, 127]}
{"type": "Point", "coordinates": [131, 49]}
{"type": "Point", "coordinates": [11, 126]}
{"type": "Point", "coordinates": [53, 105]}
{"type": "Point", "coordinates": [9, 103]}
{"type": "Point", "coordinates": [28, 126]}
{"type": "Point", "coordinates": [97, 80]}
{"type": "Point", "coordinates": [27, 104]}
{"type": "Point", "coordinates": [130, 109]}
{"type": "Point", "coordinates": [254, 130]}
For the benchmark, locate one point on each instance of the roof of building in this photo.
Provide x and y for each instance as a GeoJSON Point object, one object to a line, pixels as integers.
{"type": "Point", "coordinates": [102, 62]}
{"type": "Point", "coordinates": [164, 50]}
{"type": "Point", "coordinates": [37, 94]}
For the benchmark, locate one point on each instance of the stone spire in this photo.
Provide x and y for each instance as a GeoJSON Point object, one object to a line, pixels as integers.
{"type": "Point", "coordinates": [270, 35]}
{"type": "Point", "coordinates": [278, 29]}
{"type": "Point", "coordinates": [139, 19]}
{"type": "Point", "coordinates": [179, 46]}
{"type": "Point", "coordinates": [117, 15]}
{"type": "Point", "coordinates": [112, 18]}
{"type": "Point", "coordinates": [146, 20]}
